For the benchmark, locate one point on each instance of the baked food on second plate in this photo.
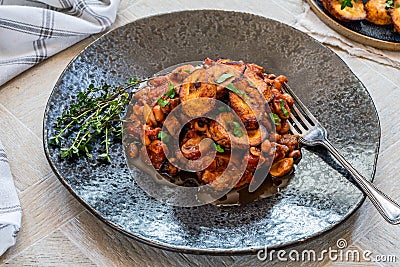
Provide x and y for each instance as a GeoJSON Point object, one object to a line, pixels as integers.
{"type": "Point", "coordinates": [348, 13]}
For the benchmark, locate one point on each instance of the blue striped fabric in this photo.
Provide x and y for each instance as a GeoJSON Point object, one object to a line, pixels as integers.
{"type": "Point", "coordinates": [10, 209]}
{"type": "Point", "coordinates": [52, 26]}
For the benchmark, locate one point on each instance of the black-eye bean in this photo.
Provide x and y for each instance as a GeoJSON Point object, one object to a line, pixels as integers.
{"type": "Point", "coordinates": [266, 146]}
{"type": "Point", "coordinates": [284, 129]}
{"type": "Point", "coordinates": [295, 154]}
{"type": "Point", "coordinates": [133, 150]}
{"type": "Point", "coordinates": [158, 114]}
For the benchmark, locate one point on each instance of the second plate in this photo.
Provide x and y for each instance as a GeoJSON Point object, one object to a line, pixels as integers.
{"type": "Point", "coordinates": [383, 37]}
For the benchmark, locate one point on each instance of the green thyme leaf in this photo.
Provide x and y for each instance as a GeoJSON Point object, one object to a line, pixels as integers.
{"type": "Point", "coordinates": [65, 153]}
{"type": "Point", "coordinates": [95, 115]}
{"type": "Point", "coordinates": [224, 77]}
{"type": "Point", "coordinates": [252, 84]}
{"type": "Point", "coordinates": [284, 110]}
{"type": "Point", "coordinates": [163, 136]}
{"type": "Point", "coordinates": [234, 89]}
{"type": "Point", "coordinates": [54, 140]}
{"type": "Point", "coordinates": [187, 71]}
{"type": "Point", "coordinates": [106, 157]}
{"type": "Point", "coordinates": [132, 81]}
{"type": "Point", "coordinates": [275, 118]}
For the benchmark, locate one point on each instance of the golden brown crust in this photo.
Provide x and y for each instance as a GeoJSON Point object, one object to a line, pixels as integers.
{"type": "Point", "coordinates": [395, 14]}
{"type": "Point", "coordinates": [191, 148]}
{"type": "Point", "coordinates": [178, 75]}
{"type": "Point", "coordinates": [218, 130]}
{"type": "Point", "coordinates": [250, 107]}
{"type": "Point", "coordinates": [246, 179]}
{"type": "Point", "coordinates": [253, 73]}
{"type": "Point", "coordinates": [215, 72]}
{"type": "Point", "coordinates": [377, 12]}
{"type": "Point", "coordinates": [219, 133]}
{"type": "Point", "coordinates": [334, 7]}
{"type": "Point", "coordinates": [238, 65]}
{"type": "Point", "coordinates": [194, 93]}
{"type": "Point", "coordinates": [157, 152]}
{"type": "Point", "coordinates": [246, 90]}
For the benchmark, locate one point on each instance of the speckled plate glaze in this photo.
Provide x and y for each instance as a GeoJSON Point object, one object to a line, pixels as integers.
{"type": "Point", "coordinates": [383, 37]}
{"type": "Point", "coordinates": [317, 198]}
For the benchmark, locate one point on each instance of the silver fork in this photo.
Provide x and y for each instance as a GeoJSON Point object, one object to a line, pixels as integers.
{"type": "Point", "coordinates": [313, 134]}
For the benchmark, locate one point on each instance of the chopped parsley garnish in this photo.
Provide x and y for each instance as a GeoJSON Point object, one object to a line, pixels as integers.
{"type": "Point", "coordinates": [237, 130]}
{"type": "Point", "coordinates": [234, 89]}
{"type": "Point", "coordinates": [389, 4]}
{"type": "Point", "coordinates": [187, 71]}
{"type": "Point", "coordinates": [224, 77]}
{"type": "Point", "coordinates": [219, 148]}
{"type": "Point", "coordinates": [170, 94]}
{"type": "Point", "coordinates": [252, 84]}
{"type": "Point", "coordinates": [163, 136]}
{"type": "Point", "coordinates": [275, 118]}
{"type": "Point", "coordinates": [162, 102]}
{"type": "Point", "coordinates": [347, 3]}
{"type": "Point", "coordinates": [284, 110]}
{"type": "Point", "coordinates": [224, 108]}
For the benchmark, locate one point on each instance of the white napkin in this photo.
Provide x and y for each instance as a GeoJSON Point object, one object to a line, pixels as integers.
{"type": "Point", "coordinates": [10, 209]}
{"type": "Point", "coordinates": [31, 30]}
{"type": "Point", "coordinates": [309, 23]}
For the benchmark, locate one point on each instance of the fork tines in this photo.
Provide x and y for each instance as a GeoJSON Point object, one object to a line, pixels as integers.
{"type": "Point", "coordinates": [301, 118]}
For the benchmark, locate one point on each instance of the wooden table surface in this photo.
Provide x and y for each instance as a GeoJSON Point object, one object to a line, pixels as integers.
{"type": "Point", "coordinates": [57, 230]}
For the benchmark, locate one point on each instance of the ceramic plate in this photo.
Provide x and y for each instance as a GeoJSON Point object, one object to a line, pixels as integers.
{"type": "Point", "coordinates": [317, 198]}
{"type": "Point", "coordinates": [383, 37]}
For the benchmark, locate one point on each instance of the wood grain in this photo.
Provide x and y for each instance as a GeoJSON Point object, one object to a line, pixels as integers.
{"type": "Point", "coordinates": [48, 252]}
{"type": "Point", "coordinates": [58, 231]}
{"type": "Point", "coordinates": [46, 206]}
{"type": "Point", "coordinates": [120, 250]}
{"type": "Point", "coordinates": [22, 147]}
{"type": "Point", "coordinates": [30, 90]}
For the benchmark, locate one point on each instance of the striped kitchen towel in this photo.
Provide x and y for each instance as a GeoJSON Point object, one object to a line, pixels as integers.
{"type": "Point", "coordinates": [33, 30]}
{"type": "Point", "coordinates": [30, 32]}
{"type": "Point", "coordinates": [10, 209]}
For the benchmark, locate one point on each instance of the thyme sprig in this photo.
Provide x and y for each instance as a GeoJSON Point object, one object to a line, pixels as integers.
{"type": "Point", "coordinates": [96, 115]}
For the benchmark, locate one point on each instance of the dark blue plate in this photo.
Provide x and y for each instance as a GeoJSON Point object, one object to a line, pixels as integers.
{"type": "Point", "coordinates": [317, 198]}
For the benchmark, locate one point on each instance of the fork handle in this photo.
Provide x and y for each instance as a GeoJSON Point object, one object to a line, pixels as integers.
{"type": "Point", "coordinates": [387, 207]}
